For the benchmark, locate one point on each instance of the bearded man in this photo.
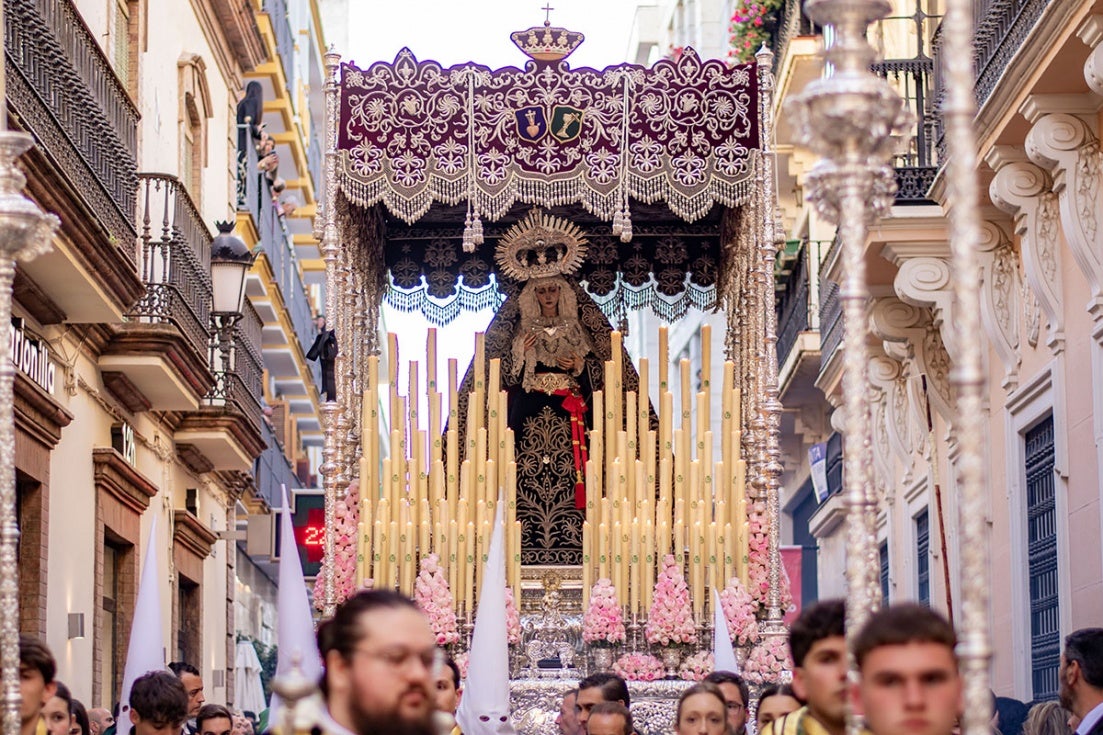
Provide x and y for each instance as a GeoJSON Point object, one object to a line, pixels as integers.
{"type": "Point", "coordinates": [381, 667]}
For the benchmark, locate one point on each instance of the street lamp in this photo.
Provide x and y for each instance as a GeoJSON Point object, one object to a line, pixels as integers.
{"type": "Point", "coordinates": [230, 261]}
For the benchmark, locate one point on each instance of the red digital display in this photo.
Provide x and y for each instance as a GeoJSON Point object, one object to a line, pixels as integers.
{"type": "Point", "coordinates": [310, 536]}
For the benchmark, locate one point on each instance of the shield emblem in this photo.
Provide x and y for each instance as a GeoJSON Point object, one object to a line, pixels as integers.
{"type": "Point", "coordinates": [566, 124]}
{"type": "Point", "coordinates": [532, 124]}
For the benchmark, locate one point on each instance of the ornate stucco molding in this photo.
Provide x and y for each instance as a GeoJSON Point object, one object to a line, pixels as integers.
{"type": "Point", "coordinates": [896, 321]}
{"type": "Point", "coordinates": [1024, 190]}
{"type": "Point", "coordinates": [1000, 298]}
{"type": "Point", "coordinates": [1068, 148]}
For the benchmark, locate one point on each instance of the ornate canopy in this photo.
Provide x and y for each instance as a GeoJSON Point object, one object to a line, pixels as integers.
{"type": "Point", "coordinates": [658, 153]}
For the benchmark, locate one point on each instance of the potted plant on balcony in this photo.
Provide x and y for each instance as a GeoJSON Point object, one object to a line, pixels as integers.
{"type": "Point", "coordinates": [752, 24]}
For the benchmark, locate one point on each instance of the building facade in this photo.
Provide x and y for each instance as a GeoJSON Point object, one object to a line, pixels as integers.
{"type": "Point", "coordinates": [1037, 131]}
{"type": "Point", "coordinates": [136, 411]}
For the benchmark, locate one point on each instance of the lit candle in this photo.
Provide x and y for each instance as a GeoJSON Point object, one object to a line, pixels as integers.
{"type": "Point", "coordinates": [706, 357]}
{"type": "Point", "coordinates": [603, 550]}
{"type": "Point", "coordinates": [644, 419]}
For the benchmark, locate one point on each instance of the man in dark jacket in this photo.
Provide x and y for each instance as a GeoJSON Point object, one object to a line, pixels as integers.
{"type": "Point", "coordinates": [324, 350]}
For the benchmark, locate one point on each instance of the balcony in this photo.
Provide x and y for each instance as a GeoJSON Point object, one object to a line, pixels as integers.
{"type": "Point", "coordinates": [285, 39]}
{"type": "Point", "coordinates": [275, 287]}
{"type": "Point", "coordinates": [62, 90]}
{"type": "Point", "coordinates": [225, 433]}
{"type": "Point", "coordinates": [798, 345]}
{"type": "Point", "coordinates": [159, 357]}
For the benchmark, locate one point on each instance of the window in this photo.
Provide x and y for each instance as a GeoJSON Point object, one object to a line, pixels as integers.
{"type": "Point", "coordinates": [1041, 520]}
{"type": "Point", "coordinates": [195, 111]}
{"type": "Point", "coordinates": [923, 557]}
{"type": "Point", "coordinates": [883, 553]}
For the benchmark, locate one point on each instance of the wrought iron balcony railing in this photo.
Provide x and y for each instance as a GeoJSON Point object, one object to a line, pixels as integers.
{"type": "Point", "coordinates": [831, 317]}
{"type": "Point", "coordinates": [792, 23]}
{"type": "Point", "coordinates": [65, 92]}
{"type": "Point", "coordinates": [794, 307]}
{"type": "Point", "coordinates": [174, 260]}
{"type": "Point", "coordinates": [255, 196]}
{"type": "Point", "coordinates": [917, 165]}
{"type": "Point", "coordinates": [238, 368]}
{"type": "Point", "coordinates": [1002, 27]}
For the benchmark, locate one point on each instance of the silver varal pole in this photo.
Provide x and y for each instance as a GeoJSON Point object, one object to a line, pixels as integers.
{"type": "Point", "coordinates": [331, 410]}
{"type": "Point", "coordinates": [852, 119]}
{"type": "Point", "coordinates": [25, 232]}
{"type": "Point", "coordinates": [968, 377]}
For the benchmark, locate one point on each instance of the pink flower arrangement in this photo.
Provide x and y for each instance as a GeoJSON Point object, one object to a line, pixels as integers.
{"type": "Point", "coordinates": [747, 28]}
{"type": "Point", "coordinates": [603, 623]}
{"type": "Point", "coordinates": [638, 667]}
{"type": "Point", "coordinates": [758, 560]}
{"type": "Point", "coordinates": [461, 660]}
{"type": "Point", "coordinates": [697, 666]}
{"type": "Point", "coordinates": [739, 610]}
{"type": "Point", "coordinates": [433, 595]}
{"type": "Point", "coordinates": [345, 531]}
{"type": "Point", "coordinates": [768, 661]}
{"type": "Point", "coordinates": [670, 620]}
{"type": "Point", "coordinates": [513, 619]}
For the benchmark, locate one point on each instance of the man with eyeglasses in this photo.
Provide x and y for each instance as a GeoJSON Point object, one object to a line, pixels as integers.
{"type": "Point", "coordinates": [381, 666]}
{"type": "Point", "coordinates": [736, 693]}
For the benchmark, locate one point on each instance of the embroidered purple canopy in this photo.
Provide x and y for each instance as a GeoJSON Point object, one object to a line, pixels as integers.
{"type": "Point", "coordinates": [413, 133]}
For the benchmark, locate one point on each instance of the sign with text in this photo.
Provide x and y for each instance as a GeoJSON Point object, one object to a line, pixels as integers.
{"type": "Point", "coordinates": [31, 355]}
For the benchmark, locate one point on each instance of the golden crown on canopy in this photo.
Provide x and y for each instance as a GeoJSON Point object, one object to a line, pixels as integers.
{"type": "Point", "coordinates": [540, 245]}
{"type": "Point", "coordinates": [547, 43]}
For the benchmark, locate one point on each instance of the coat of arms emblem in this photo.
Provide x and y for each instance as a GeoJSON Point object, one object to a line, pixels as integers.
{"type": "Point", "coordinates": [564, 124]}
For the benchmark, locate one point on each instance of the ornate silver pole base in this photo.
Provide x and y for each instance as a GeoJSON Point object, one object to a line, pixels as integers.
{"type": "Point", "coordinates": [25, 232]}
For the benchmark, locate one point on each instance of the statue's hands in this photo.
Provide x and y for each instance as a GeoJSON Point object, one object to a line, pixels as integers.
{"type": "Point", "coordinates": [530, 341]}
{"type": "Point", "coordinates": [573, 363]}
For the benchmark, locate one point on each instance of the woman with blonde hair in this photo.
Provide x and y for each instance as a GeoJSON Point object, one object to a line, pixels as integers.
{"type": "Point", "coordinates": [1047, 718]}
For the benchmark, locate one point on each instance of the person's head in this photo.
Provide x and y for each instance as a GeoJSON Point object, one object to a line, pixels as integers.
{"type": "Point", "coordinates": [320, 322]}
{"type": "Point", "coordinates": [80, 724]}
{"type": "Point", "coordinates": [1010, 714]}
{"type": "Point", "coordinates": [567, 719]}
{"type": "Point", "coordinates": [736, 695]}
{"type": "Point", "coordinates": [818, 647]}
{"type": "Point", "coordinates": [193, 684]}
{"type": "Point", "coordinates": [599, 688]}
{"type": "Point", "coordinates": [37, 670]}
{"type": "Point", "coordinates": [701, 710]}
{"type": "Point", "coordinates": [99, 719]}
{"type": "Point", "coordinates": [548, 297]}
{"type": "Point", "coordinates": [1081, 673]}
{"type": "Point", "coordinates": [908, 682]}
{"type": "Point", "coordinates": [381, 663]}
{"type": "Point", "coordinates": [158, 704]}
{"type": "Point", "coordinates": [609, 718]}
{"type": "Point", "coordinates": [775, 701]}
{"type": "Point", "coordinates": [1047, 718]}
{"type": "Point", "coordinates": [214, 719]}
{"type": "Point", "coordinates": [448, 692]}
{"type": "Point", "coordinates": [58, 711]}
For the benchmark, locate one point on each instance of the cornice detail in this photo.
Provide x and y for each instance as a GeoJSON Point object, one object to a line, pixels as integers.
{"type": "Point", "coordinates": [1024, 190]}
{"type": "Point", "coordinates": [905, 325]}
{"type": "Point", "coordinates": [126, 484]}
{"type": "Point", "coordinates": [192, 536]}
{"type": "Point", "coordinates": [1067, 147]}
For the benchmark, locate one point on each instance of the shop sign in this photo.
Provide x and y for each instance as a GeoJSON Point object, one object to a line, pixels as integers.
{"type": "Point", "coordinates": [31, 355]}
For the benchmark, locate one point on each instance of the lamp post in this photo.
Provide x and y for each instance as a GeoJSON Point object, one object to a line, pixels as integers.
{"type": "Point", "coordinates": [230, 261]}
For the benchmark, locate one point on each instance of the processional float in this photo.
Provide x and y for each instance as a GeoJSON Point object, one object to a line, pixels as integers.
{"type": "Point", "coordinates": [427, 168]}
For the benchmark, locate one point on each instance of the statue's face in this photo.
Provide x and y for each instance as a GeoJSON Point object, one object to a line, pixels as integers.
{"type": "Point", "coordinates": [547, 296]}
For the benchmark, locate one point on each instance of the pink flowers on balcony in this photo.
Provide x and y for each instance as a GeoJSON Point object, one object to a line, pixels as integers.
{"type": "Point", "coordinates": [750, 27]}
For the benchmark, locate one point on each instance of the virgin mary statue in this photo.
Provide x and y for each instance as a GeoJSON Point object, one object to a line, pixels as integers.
{"type": "Point", "coordinates": [553, 342]}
